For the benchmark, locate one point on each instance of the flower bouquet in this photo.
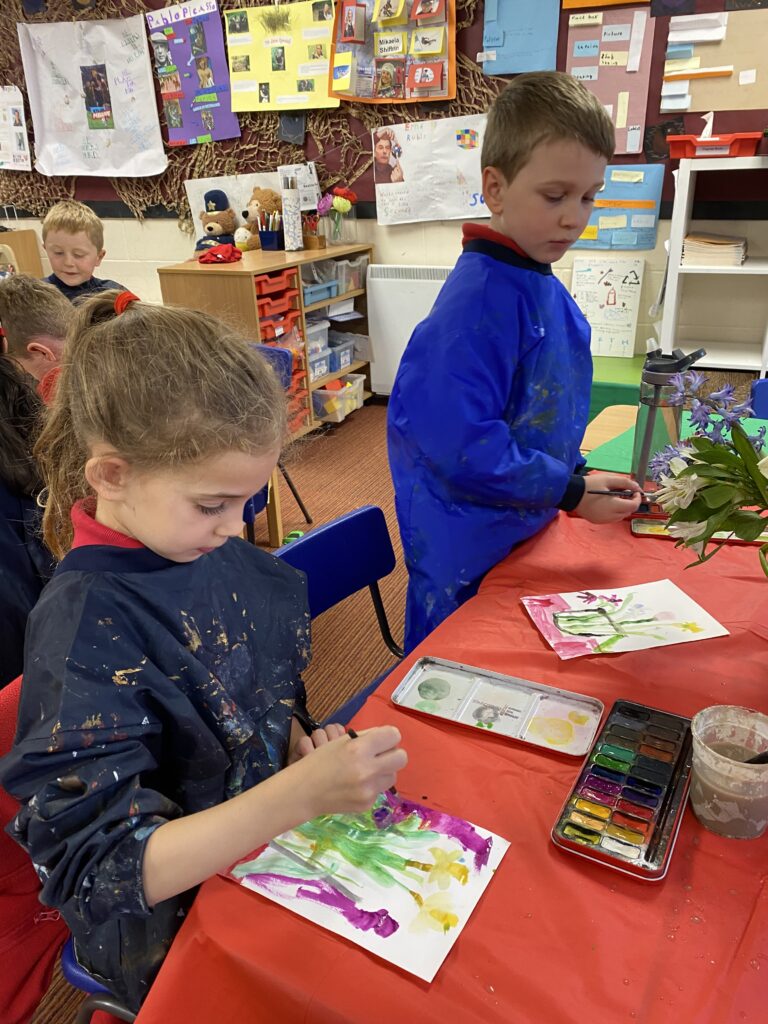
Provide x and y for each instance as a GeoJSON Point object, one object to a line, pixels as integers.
{"type": "Point", "coordinates": [338, 207]}
{"type": "Point", "coordinates": [714, 486]}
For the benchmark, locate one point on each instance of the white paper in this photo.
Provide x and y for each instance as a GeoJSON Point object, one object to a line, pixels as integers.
{"type": "Point", "coordinates": [748, 77]}
{"type": "Point", "coordinates": [92, 98]}
{"type": "Point", "coordinates": [607, 290]}
{"type": "Point", "coordinates": [14, 144]}
{"type": "Point", "coordinates": [672, 103]}
{"type": "Point", "coordinates": [634, 138]}
{"type": "Point", "coordinates": [639, 20]}
{"type": "Point", "coordinates": [306, 182]}
{"type": "Point", "coordinates": [697, 28]}
{"type": "Point", "coordinates": [678, 88]}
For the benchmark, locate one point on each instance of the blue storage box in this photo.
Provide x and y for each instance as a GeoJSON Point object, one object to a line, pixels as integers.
{"type": "Point", "coordinates": [317, 292]}
{"type": "Point", "coordinates": [342, 356]}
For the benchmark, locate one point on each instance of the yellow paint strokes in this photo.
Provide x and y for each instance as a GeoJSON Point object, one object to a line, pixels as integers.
{"type": "Point", "coordinates": [435, 913]}
{"type": "Point", "coordinates": [578, 717]}
{"type": "Point", "coordinates": [123, 675]}
{"type": "Point", "coordinates": [194, 640]}
{"type": "Point", "coordinates": [93, 722]}
{"type": "Point", "coordinates": [446, 867]}
{"type": "Point", "coordinates": [555, 732]}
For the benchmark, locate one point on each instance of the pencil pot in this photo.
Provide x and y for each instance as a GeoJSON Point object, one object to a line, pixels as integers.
{"type": "Point", "coordinates": [271, 240]}
{"type": "Point", "coordinates": [728, 796]}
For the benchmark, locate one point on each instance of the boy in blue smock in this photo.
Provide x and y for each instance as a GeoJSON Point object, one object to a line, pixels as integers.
{"type": "Point", "coordinates": [491, 398]}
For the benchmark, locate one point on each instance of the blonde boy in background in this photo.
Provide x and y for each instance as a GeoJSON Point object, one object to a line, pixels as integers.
{"type": "Point", "coordinates": [73, 239]}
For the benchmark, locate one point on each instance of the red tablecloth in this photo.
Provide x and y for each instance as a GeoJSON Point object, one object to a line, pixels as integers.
{"type": "Point", "coordinates": [554, 938]}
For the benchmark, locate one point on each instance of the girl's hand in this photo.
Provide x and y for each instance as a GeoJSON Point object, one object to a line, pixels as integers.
{"type": "Point", "coordinates": [344, 774]}
{"type": "Point", "coordinates": [602, 508]}
{"type": "Point", "coordinates": [304, 744]}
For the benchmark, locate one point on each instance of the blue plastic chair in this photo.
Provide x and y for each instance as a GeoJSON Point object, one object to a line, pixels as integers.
{"type": "Point", "coordinates": [99, 997]}
{"type": "Point", "coordinates": [759, 398]}
{"type": "Point", "coordinates": [281, 360]}
{"type": "Point", "coordinates": [340, 558]}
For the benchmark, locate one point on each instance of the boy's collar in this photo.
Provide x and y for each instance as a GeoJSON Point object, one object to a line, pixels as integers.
{"type": "Point", "coordinates": [482, 239]}
{"type": "Point", "coordinates": [471, 231]}
{"type": "Point", "coordinates": [89, 532]}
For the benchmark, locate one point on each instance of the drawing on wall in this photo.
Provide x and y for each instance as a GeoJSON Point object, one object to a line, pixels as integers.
{"type": "Point", "coordinates": [607, 291]}
{"type": "Point", "coordinates": [621, 619]}
{"type": "Point", "coordinates": [401, 880]}
{"type": "Point", "coordinates": [14, 144]}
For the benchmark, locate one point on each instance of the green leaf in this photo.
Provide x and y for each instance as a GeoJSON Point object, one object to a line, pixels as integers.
{"type": "Point", "coordinates": [717, 472]}
{"type": "Point", "coordinates": [747, 453]}
{"type": "Point", "coordinates": [746, 525]}
{"type": "Point", "coordinates": [763, 560]}
{"type": "Point", "coordinates": [696, 512]}
{"type": "Point", "coordinates": [717, 496]}
{"type": "Point", "coordinates": [719, 455]}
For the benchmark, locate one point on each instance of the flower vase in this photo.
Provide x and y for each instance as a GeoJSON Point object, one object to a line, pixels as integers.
{"type": "Point", "coordinates": [341, 228]}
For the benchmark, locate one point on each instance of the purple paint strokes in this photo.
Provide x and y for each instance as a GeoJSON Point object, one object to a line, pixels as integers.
{"type": "Point", "coordinates": [317, 891]}
{"type": "Point", "coordinates": [396, 810]}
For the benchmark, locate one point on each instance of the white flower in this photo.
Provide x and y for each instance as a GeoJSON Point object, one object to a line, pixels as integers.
{"type": "Point", "coordinates": [678, 491]}
{"type": "Point", "coordinates": [685, 531]}
{"type": "Point", "coordinates": [677, 465]}
{"type": "Point", "coordinates": [763, 466]}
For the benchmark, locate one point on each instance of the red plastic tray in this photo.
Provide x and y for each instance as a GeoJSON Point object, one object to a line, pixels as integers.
{"type": "Point", "coordinates": [734, 144]}
{"type": "Point", "coordinates": [268, 284]}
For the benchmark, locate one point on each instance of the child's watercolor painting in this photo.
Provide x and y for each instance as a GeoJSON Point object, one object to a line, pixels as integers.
{"type": "Point", "coordinates": [622, 619]}
{"type": "Point", "coordinates": [401, 880]}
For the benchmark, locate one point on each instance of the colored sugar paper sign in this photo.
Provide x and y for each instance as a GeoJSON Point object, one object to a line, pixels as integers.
{"type": "Point", "coordinates": [623, 619]}
{"type": "Point", "coordinates": [429, 170]}
{"type": "Point", "coordinates": [520, 36]}
{"type": "Point", "coordinates": [92, 98]}
{"type": "Point", "coordinates": [631, 195]}
{"type": "Point", "coordinates": [665, 8]}
{"type": "Point", "coordinates": [191, 66]}
{"type": "Point", "coordinates": [618, 71]}
{"type": "Point", "coordinates": [279, 56]}
{"type": "Point", "coordinates": [607, 290]}
{"type": "Point", "coordinates": [405, 54]}
{"type": "Point", "coordinates": [14, 144]}
{"type": "Point", "coordinates": [400, 880]}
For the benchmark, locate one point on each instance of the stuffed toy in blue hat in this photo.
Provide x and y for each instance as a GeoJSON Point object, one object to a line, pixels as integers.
{"type": "Point", "coordinates": [219, 220]}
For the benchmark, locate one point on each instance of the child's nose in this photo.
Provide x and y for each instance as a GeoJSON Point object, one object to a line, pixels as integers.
{"type": "Point", "coordinates": [231, 524]}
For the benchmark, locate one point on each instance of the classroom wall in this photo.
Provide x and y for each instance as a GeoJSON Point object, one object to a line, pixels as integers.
{"type": "Point", "coordinates": [711, 306]}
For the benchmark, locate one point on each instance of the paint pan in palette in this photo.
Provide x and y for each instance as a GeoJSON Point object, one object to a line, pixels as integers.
{"type": "Point", "coordinates": [626, 807]}
{"type": "Point", "coordinates": [505, 705]}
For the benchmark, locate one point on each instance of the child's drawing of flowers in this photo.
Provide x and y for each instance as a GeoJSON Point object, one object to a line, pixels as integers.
{"type": "Point", "coordinates": [618, 620]}
{"type": "Point", "coordinates": [400, 880]}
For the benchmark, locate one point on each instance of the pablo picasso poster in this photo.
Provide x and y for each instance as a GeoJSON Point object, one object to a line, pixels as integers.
{"type": "Point", "coordinates": [279, 56]}
{"type": "Point", "coordinates": [429, 170]}
{"type": "Point", "coordinates": [191, 66]}
{"type": "Point", "coordinates": [14, 145]}
{"type": "Point", "coordinates": [400, 880]}
{"type": "Point", "coordinates": [92, 98]}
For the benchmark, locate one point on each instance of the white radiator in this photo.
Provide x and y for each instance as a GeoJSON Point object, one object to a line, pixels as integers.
{"type": "Point", "coordinates": [398, 298]}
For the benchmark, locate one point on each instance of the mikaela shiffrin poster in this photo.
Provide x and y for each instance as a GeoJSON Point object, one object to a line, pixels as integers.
{"type": "Point", "coordinates": [429, 170]}
{"type": "Point", "coordinates": [191, 66]}
{"type": "Point", "coordinates": [92, 98]}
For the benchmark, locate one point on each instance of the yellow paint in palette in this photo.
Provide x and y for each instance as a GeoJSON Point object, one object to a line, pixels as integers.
{"type": "Point", "coordinates": [560, 725]}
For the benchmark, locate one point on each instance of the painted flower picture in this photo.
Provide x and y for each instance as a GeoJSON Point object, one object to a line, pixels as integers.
{"type": "Point", "coordinates": [401, 880]}
{"type": "Point", "coordinates": [621, 619]}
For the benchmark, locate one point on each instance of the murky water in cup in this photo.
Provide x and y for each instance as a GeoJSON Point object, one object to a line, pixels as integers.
{"type": "Point", "coordinates": [728, 796]}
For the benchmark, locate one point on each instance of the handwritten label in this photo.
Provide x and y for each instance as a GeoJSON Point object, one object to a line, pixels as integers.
{"type": "Point", "coordinates": [388, 43]}
{"type": "Point", "coordinates": [615, 33]}
{"type": "Point", "coordinates": [619, 221]}
{"type": "Point", "coordinates": [632, 177]}
{"type": "Point", "coordinates": [643, 220]}
{"type": "Point", "coordinates": [614, 58]}
{"type": "Point", "coordinates": [180, 12]}
{"type": "Point", "coordinates": [586, 48]}
{"type": "Point", "coordinates": [585, 74]}
{"type": "Point", "coordinates": [588, 18]}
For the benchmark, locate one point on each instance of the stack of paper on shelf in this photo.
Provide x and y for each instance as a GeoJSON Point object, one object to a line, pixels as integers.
{"type": "Point", "coordinates": [702, 250]}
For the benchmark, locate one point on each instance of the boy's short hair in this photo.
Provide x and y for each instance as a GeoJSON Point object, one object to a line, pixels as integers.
{"type": "Point", "coordinates": [29, 309]}
{"type": "Point", "coordinates": [72, 217]}
{"type": "Point", "coordinates": [543, 106]}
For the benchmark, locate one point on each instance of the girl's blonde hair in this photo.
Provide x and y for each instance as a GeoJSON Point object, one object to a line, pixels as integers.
{"type": "Point", "coordinates": [163, 386]}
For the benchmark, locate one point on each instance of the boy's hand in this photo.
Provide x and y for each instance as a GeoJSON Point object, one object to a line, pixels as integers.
{"type": "Point", "coordinates": [604, 508]}
{"type": "Point", "coordinates": [301, 745]}
{"type": "Point", "coordinates": [346, 775]}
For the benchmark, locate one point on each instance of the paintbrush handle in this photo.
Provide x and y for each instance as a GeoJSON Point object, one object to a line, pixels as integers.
{"type": "Point", "coordinates": [623, 493]}
{"type": "Point", "coordinates": [353, 736]}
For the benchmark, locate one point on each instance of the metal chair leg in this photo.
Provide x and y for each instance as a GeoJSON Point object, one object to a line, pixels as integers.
{"type": "Point", "coordinates": [102, 1001]}
{"type": "Point", "coordinates": [294, 492]}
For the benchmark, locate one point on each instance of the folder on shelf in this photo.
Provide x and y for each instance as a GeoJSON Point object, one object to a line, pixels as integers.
{"type": "Point", "coordinates": [705, 250]}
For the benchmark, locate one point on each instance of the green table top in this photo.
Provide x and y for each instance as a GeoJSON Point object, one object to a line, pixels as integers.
{"type": "Point", "coordinates": [616, 455]}
{"type": "Point", "coordinates": [617, 369]}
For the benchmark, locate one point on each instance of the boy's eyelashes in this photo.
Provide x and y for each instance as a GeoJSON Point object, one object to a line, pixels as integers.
{"type": "Point", "coordinates": [559, 198]}
{"type": "Point", "coordinates": [212, 510]}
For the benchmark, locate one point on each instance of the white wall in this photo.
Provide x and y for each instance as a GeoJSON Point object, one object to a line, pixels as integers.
{"type": "Point", "coordinates": [713, 308]}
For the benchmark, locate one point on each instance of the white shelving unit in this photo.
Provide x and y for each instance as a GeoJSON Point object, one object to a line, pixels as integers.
{"type": "Point", "coordinates": [734, 355]}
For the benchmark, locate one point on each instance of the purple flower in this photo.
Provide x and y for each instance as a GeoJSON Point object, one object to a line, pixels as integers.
{"type": "Point", "coordinates": [716, 435]}
{"type": "Point", "coordinates": [324, 205]}
{"type": "Point", "coordinates": [659, 463]}
{"type": "Point", "coordinates": [676, 398]}
{"type": "Point", "coordinates": [757, 439]}
{"type": "Point", "coordinates": [677, 381]}
{"type": "Point", "coordinates": [695, 380]}
{"type": "Point", "coordinates": [743, 409]}
{"type": "Point", "coordinates": [586, 597]}
{"type": "Point", "coordinates": [700, 414]}
{"type": "Point", "coordinates": [725, 394]}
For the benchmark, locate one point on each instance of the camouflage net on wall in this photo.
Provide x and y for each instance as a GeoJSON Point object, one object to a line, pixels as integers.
{"type": "Point", "coordinates": [338, 139]}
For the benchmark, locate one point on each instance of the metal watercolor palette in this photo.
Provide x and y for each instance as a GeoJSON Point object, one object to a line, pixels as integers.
{"type": "Point", "coordinates": [626, 807]}
{"type": "Point", "coordinates": [505, 705]}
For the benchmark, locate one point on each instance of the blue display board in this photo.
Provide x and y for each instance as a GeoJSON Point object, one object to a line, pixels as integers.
{"type": "Point", "coordinates": [626, 213]}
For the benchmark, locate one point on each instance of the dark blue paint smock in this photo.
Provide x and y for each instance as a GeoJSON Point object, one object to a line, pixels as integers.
{"type": "Point", "coordinates": [487, 412]}
{"type": "Point", "coordinates": [152, 689]}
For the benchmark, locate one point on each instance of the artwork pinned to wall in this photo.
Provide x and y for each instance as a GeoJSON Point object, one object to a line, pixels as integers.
{"type": "Point", "coordinates": [14, 144]}
{"type": "Point", "coordinates": [429, 170]}
{"type": "Point", "coordinates": [610, 52]}
{"type": "Point", "coordinates": [607, 291]}
{"type": "Point", "coordinates": [394, 52]}
{"type": "Point", "coordinates": [401, 880]}
{"type": "Point", "coordinates": [279, 56]}
{"type": "Point", "coordinates": [621, 619]}
{"type": "Point", "coordinates": [191, 66]}
{"type": "Point", "coordinates": [92, 98]}
{"type": "Point", "coordinates": [626, 210]}
{"type": "Point", "coordinates": [519, 36]}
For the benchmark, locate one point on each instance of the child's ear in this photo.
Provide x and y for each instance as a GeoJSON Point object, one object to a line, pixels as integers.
{"type": "Point", "coordinates": [102, 254]}
{"type": "Point", "coordinates": [494, 186]}
{"type": "Point", "coordinates": [108, 475]}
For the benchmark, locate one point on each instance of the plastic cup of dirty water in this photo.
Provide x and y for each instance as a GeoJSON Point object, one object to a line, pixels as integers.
{"type": "Point", "coordinates": [728, 796]}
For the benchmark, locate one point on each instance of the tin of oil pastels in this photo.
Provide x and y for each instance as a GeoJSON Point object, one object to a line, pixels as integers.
{"type": "Point", "coordinates": [517, 709]}
{"type": "Point", "coordinates": [626, 807]}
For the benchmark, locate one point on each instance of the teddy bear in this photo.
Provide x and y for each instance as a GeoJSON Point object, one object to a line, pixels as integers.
{"type": "Point", "coordinates": [219, 220]}
{"type": "Point", "coordinates": [262, 203]}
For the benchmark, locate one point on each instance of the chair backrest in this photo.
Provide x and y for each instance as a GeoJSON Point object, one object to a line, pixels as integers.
{"type": "Point", "coordinates": [759, 398]}
{"type": "Point", "coordinates": [342, 557]}
{"type": "Point", "coordinates": [281, 360]}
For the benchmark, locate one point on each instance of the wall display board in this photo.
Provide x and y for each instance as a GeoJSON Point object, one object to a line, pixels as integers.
{"type": "Point", "coordinates": [607, 290]}
{"type": "Point", "coordinates": [14, 144]}
{"type": "Point", "coordinates": [626, 210]}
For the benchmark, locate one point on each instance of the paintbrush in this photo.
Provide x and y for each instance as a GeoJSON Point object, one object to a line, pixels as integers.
{"type": "Point", "coordinates": [353, 736]}
{"type": "Point", "coordinates": [761, 758]}
{"type": "Point", "coordinates": [621, 493]}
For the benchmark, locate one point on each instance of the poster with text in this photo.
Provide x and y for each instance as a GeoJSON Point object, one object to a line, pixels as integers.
{"type": "Point", "coordinates": [191, 66]}
{"type": "Point", "coordinates": [14, 144]}
{"type": "Point", "coordinates": [429, 170]}
{"type": "Point", "coordinates": [279, 56]}
{"type": "Point", "coordinates": [626, 210]}
{"type": "Point", "coordinates": [92, 98]}
{"type": "Point", "coordinates": [607, 291]}
{"type": "Point", "coordinates": [610, 52]}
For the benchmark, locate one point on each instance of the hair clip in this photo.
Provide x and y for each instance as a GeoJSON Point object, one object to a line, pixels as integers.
{"type": "Point", "coordinates": [123, 301]}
